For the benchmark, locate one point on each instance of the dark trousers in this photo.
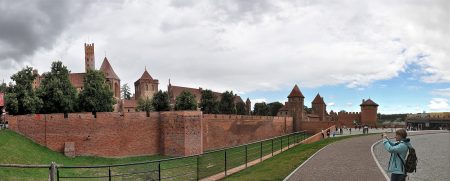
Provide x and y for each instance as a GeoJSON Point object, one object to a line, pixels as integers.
{"type": "Point", "coordinates": [398, 177]}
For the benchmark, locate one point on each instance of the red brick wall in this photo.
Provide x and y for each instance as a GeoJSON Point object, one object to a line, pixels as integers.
{"type": "Point", "coordinates": [181, 133]}
{"type": "Point", "coordinates": [369, 115]}
{"type": "Point", "coordinates": [131, 134]}
{"type": "Point", "coordinates": [314, 127]}
{"type": "Point", "coordinates": [230, 130]}
{"type": "Point", "coordinates": [318, 136]}
{"type": "Point", "coordinates": [346, 118]}
{"type": "Point", "coordinates": [108, 135]}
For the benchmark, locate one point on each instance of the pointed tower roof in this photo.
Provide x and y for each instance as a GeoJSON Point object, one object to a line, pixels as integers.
{"type": "Point", "coordinates": [318, 100]}
{"type": "Point", "coordinates": [146, 75]}
{"type": "Point", "coordinates": [108, 70]}
{"type": "Point", "coordinates": [248, 100]}
{"type": "Point", "coordinates": [368, 102]}
{"type": "Point", "coordinates": [296, 92]}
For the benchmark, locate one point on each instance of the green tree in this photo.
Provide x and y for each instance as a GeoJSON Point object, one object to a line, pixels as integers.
{"type": "Point", "coordinates": [307, 109]}
{"type": "Point", "coordinates": [261, 109]}
{"type": "Point", "coordinates": [274, 107]}
{"type": "Point", "coordinates": [226, 105]}
{"type": "Point", "coordinates": [160, 101]}
{"type": "Point", "coordinates": [186, 101]}
{"type": "Point", "coordinates": [125, 92]}
{"type": "Point", "coordinates": [3, 87]}
{"type": "Point", "coordinates": [56, 91]}
{"type": "Point", "coordinates": [145, 105]}
{"type": "Point", "coordinates": [209, 103]}
{"type": "Point", "coordinates": [20, 98]}
{"type": "Point", "coordinates": [240, 108]}
{"type": "Point", "coordinates": [96, 95]}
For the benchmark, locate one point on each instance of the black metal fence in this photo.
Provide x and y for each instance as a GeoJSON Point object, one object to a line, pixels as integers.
{"type": "Point", "coordinates": [194, 167]}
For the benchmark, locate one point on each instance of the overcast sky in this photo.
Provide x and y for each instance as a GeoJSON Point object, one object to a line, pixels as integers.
{"type": "Point", "coordinates": [395, 52]}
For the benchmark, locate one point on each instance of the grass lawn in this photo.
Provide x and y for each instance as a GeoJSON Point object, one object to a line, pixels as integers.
{"type": "Point", "coordinates": [281, 165]}
{"type": "Point", "coordinates": [17, 149]}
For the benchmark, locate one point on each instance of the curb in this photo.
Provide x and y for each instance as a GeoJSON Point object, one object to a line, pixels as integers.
{"type": "Point", "coordinates": [292, 173]}
{"type": "Point", "coordinates": [377, 162]}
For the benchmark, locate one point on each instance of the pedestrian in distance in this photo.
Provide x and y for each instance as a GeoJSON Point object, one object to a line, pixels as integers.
{"type": "Point", "coordinates": [398, 152]}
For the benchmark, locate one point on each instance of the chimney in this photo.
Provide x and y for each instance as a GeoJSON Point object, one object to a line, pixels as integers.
{"type": "Point", "coordinates": [363, 101]}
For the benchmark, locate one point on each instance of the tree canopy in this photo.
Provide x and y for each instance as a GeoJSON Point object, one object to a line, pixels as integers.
{"type": "Point", "coordinates": [274, 107]}
{"type": "Point", "coordinates": [96, 96]}
{"type": "Point", "coordinates": [240, 108]}
{"type": "Point", "coordinates": [56, 91]}
{"type": "Point", "coordinates": [125, 92]}
{"type": "Point", "coordinates": [185, 101]}
{"type": "Point", "coordinates": [209, 103]}
{"type": "Point", "coordinates": [160, 101]}
{"type": "Point", "coordinates": [261, 109]}
{"type": "Point", "coordinates": [20, 97]}
{"type": "Point", "coordinates": [145, 104]}
{"type": "Point", "coordinates": [226, 105]}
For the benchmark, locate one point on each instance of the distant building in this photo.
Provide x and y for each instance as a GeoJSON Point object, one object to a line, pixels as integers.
{"type": "Point", "coordinates": [427, 121]}
{"type": "Point", "coordinates": [295, 108]}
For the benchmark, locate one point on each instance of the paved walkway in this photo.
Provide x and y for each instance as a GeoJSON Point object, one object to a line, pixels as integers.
{"type": "Point", "coordinates": [349, 159]}
{"type": "Point", "coordinates": [432, 149]}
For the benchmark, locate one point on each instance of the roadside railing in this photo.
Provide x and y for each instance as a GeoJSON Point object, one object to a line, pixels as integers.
{"type": "Point", "coordinates": [195, 167]}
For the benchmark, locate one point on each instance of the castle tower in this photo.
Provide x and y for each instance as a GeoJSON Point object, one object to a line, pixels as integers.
{"type": "Point", "coordinates": [111, 77]}
{"type": "Point", "coordinates": [248, 106]}
{"type": "Point", "coordinates": [296, 105]}
{"type": "Point", "coordinates": [146, 86]}
{"type": "Point", "coordinates": [319, 107]}
{"type": "Point", "coordinates": [369, 112]}
{"type": "Point", "coordinates": [89, 60]}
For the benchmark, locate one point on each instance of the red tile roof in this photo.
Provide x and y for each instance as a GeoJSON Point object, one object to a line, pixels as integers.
{"type": "Point", "coordinates": [176, 91]}
{"type": "Point", "coordinates": [296, 92]}
{"type": "Point", "coordinates": [108, 70]}
{"type": "Point", "coordinates": [146, 76]}
{"type": "Point", "coordinates": [369, 102]}
{"type": "Point", "coordinates": [318, 100]}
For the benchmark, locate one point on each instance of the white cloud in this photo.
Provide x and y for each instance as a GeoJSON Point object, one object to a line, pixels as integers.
{"type": "Point", "coordinates": [258, 45]}
{"type": "Point", "coordinates": [331, 104]}
{"type": "Point", "coordinates": [441, 92]}
{"type": "Point", "coordinates": [438, 104]}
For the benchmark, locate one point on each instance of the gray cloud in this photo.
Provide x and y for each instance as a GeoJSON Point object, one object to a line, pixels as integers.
{"type": "Point", "coordinates": [28, 25]}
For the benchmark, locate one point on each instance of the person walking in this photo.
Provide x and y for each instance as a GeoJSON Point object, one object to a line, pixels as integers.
{"type": "Point", "coordinates": [398, 152]}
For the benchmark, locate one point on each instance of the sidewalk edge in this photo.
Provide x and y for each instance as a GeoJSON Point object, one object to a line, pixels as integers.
{"type": "Point", "coordinates": [292, 173]}
{"type": "Point", "coordinates": [376, 161]}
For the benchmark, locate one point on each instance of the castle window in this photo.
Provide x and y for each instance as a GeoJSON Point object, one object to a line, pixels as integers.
{"type": "Point", "coordinates": [153, 87]}
{"type": "Point", "coordinates": [146, 87]}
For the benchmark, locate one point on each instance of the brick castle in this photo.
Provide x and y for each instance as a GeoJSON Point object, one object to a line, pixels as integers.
{"type": "Point", "coordinates": [129, 133]}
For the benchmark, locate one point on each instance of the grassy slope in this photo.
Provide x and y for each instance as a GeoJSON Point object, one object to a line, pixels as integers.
{"type": "Point", "coordinates": [17, 149]}
{"type": "Point", "coordinates": [281, 165]}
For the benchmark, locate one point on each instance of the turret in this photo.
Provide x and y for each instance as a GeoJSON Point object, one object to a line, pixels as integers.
{"type": "Point", "coordinates": [89, 60]}
{"type": "Point", "coordinates": [295, 105]}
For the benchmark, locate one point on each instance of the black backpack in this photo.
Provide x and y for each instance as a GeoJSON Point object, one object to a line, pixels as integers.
{"type": "Point", "coordinates": [411, 161]}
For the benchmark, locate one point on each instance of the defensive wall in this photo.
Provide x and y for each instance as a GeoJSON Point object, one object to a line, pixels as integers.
{"type": "Point", "coordinates": [173, 133]}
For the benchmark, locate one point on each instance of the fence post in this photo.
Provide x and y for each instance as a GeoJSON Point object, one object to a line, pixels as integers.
{"type": "Point", "coordinates": [281, 146]}
{"type": "Point", "coordinates": [272, 147]}
{"type": "Point", "coordinates": [246, 159]}
{"type": "Point", "coordinates": [260, 151]}
{"type": "Point", "coordinates": [288, 140]}
{"type": "Point", "coordinates": [109, 173]}
{"type": "Point", "coordinates": [52, 171]}
{"type": "Point", "coordinates": [225, 162]}
{"type": "Point", "coordinates": [159, 170]}
{"type": "Point", "coordinates": [198, 167]}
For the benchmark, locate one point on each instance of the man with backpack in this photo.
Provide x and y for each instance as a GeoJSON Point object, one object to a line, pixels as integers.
{"type": "Point", "coordinates": [399, 164]}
